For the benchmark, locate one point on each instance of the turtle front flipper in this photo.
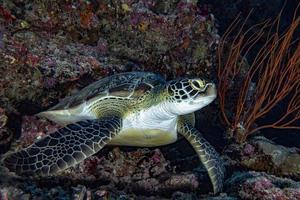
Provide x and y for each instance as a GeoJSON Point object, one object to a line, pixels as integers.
{"type": "Point", "coordinates": [207, 154]}
{"type": "Point", "coordinates": [64, 148]}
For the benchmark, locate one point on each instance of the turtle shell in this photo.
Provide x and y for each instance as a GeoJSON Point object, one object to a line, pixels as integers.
{"type": "Point", "coordinates": [120, 85]}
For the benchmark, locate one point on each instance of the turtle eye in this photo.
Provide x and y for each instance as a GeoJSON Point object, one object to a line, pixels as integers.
{"type": "Point", "coordinates": [197, 84]}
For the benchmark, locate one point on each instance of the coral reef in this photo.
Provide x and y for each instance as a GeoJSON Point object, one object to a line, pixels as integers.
{"type": "Point", "coordinates": [134, 171]}
{"type": "Point", "coordinates": [36, 66]}
{"type": "Point", "coordinates": [141, 171]}
{"type": "Point", "coordinates": [6, 135]}
{"type": "Point", "coordinates": [261, 186]}
{"type": "Point", "coordinates": [50, 49]}
{"type": "Point", "coordinates": [261, 154]}
{"type": "Point", "coordinates": [44, 48]}
{"type": "Point", "coordinates": [34, 129]}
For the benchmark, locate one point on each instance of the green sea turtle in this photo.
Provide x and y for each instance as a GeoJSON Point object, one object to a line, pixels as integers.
{"type": "Point", "coordinates": [134, 109]}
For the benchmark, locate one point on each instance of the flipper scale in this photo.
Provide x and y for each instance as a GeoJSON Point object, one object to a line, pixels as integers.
{"type": "Point", "coordinates": [207, 154]}
{"type": "Point", "coordinates": [60, 150]}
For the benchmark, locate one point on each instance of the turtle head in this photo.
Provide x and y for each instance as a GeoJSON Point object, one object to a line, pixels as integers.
{"type": "Point", "coordinates": [188, 95]}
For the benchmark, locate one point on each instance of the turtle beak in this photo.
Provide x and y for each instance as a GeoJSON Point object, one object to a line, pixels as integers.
{"type": "Point", "coordinates": [211, 90]}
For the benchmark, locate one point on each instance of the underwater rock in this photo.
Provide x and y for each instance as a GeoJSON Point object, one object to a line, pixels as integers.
{"type": "Point", "coordinates": [34, 65]}
{"type": "Point", "coordinates": [261, 186]}
{"type": "Point", "coordinates": [176, 42]}
{"type": "Point", "coordinates": [172, 37]}
{"type": "Point", "coordinates": [222, 196]}
{"type": "Point", "coordinates": [30, 191]}
{"type": "Point", "coordinates": [112, 174]}
{"type": "Point", "coordinates": [141, 171]}
{"type": "Point", "coordinates": [6, 135]}
{"type": "Point", "coordinates": [34, 128]}
{"type": "Point", "coordinates": [262, 154]}
{"type": "Point", "coordinates": [48, 48]}
{"type": "Point", "coordinates": [79, 192]}
{"type": "Point", "coordinates": [11, 192]}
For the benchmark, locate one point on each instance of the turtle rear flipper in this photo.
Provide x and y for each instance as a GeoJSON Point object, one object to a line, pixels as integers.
{"type": "Point", "coordinates": [64, 148]}
{"type": "Point", "coordinates": [207, 154]}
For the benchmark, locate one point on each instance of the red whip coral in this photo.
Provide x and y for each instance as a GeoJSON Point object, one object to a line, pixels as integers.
{"type": "Point", "coordinates": [271, 79]}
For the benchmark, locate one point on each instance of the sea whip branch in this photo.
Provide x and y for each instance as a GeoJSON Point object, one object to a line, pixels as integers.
{"type": "Point", "coordinates": [274, 72]}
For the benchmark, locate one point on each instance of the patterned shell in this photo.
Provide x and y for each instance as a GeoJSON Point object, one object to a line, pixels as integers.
{"type": "Point", "coordinates": [121, 85]}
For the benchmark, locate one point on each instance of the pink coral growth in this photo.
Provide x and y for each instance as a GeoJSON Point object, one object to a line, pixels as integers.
{"type": "Point", "coordinates": [6, 14]}
{"type": "Point", "coordinates": [262, 184]}
{"type": "Point", "coordinates": [90, 165]}
{"type": "Point", "coordinates": [157, 156]}
{"type": "Point", "coordinates": [263, 188]}
{"type": "Point", "coordinates": [186, 7]}
{"type": "Point", "coordinates": [248, 150]}
{"type": "Point", "coordinates": [49, 82]}
{"type": "Point", "coordinates": [34, 128]}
